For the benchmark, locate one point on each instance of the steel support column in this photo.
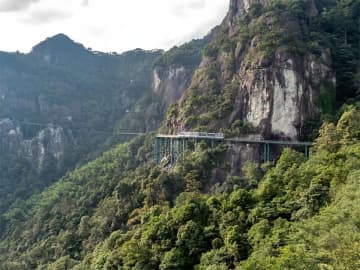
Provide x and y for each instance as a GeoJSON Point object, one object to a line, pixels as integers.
{"type": "Point", "coordinates": [183, 149]}
{"type": "Point", "coordinates": [171, 151]}
{"type": "Point", "coordinates": [266, 152]}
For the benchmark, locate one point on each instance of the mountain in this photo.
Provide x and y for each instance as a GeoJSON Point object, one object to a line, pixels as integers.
{"type": "Point", "coordinates": [62, 105]}
{"type": "Point", "coordinates": [59, 104]}
{"type": "Point", "coordinates": [280, 69]}
{"type": "Point", "coordinates": [58, 45]}
{"type": "Point", "coordinates": [272, 70]}
{"type": "Point", "coordinates": [263, 69]}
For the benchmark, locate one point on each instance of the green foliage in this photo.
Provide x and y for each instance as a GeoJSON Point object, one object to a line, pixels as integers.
{"type": "Point", "coordinates": [210, 51]}
{"type": "Point", "coordinates": [326, 101]}
{"type": "Point", "coordinates": [328, 138]}
{"type": "Point", "coordinates": [119, 212]}
{"type": "Point", "coordinates": [348, 125]}
{"type": "Point", "coordinates": [195, 108]}
{"type": "Point", "coordinates": [340, 23]}
{"type": "Point", "coordinates": [188, 54]}
{"type": "Point", "coordinates": [256, 10]}
{"type": "Point", "coordinates": [239, 128]}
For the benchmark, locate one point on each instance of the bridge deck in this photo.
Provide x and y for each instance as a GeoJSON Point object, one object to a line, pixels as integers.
{"type": "Point", "coordinates": [239, 140]}
{"type": "Point", "coordinates": [165, 136]}
{"type": "Point", "coordinates": [236, 140]}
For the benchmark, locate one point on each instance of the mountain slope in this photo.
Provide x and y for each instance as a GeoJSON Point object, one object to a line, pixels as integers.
{"type": "Point", "coordinates": [58, 104]}
{"type": "Point", "coordinates": [121, 212]}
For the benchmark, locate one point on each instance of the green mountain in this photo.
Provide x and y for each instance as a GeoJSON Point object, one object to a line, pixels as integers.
{"type": "Point", "coordinates": [281, 69]}
{"type": "Point", "coordinates": [59, 104]}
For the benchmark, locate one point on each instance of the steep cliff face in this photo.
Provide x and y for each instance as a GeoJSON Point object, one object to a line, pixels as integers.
{"type": "Point", "coordinates": [171, 82]}
{"type": "Point", "coordinates": [239, 8]}
{"type": "Point", "coordinates": [174, 70]}
{"type": "Point", "coordinates": [261, 71]}
{"type": "Point", "coordinates": [279, 99]}
{"type": "Point", "coordinates": [48, 142]}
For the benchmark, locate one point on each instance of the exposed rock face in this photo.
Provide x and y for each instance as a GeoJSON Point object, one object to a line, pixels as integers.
{"type": "Point", "coordinates": [238, 153]}
{"type": "Point", "coordinates": [48, 142]}
{"type": "Point", "coordinates": [258, 71]}
{"type": "Point", "coordinates": [281, 97]}
{"type": "Point", "coordinates": [275, 86]}
{"type": "Point", "coordinates": [171, 82]}
{"type": "Point", "coordinates": [240, 7]}
{"type": "Point", "coordinates": [10, 137]}
{"type": "Point", "coordinates": [173, 71]}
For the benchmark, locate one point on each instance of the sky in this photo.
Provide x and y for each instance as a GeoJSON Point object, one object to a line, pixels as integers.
{"type": "Point", "coordinates": [108, 25]}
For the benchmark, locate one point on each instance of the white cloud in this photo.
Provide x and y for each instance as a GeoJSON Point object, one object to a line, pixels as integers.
{"type": "Point", "coordinates": [15, 5]}
{"type": "Point", "coordinates": [197, 4]}
{"type": "Point", "coordinates": [111, 25]}
{"type": "Point", "coordinates": [46, 16]}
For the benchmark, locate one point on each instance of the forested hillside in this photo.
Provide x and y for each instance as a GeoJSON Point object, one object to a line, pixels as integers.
{"type": "Point", "coordinates": [281, 69]}
{"type": "Point", "coordinates": [61, 104]}
{"type": "Point", "coordinates": [121, 212]}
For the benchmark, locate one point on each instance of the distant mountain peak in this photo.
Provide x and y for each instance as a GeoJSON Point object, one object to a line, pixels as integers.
{"type": "Point", "coordinates": [59, 38]}
{"type": "Point", "coordinates": [58, 44]}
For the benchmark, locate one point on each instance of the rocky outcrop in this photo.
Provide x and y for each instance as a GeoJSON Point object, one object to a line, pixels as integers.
{"type": "Point", "coordinates": [281, 97]}
{"type": "Point", "coordinates": [259, 72]}
{"type": "Point", "coordinates": [239, 7]}
{"type": "Point", "coordinates": [50, 141]}
{"type": "Point", "coordinates": [274, 80]}
{"type": "Point", "coordinates": [173, 71]}
{"type": "Point", "coordinates": [170, 83]}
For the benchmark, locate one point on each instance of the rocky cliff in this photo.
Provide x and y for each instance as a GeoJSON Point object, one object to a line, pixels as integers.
{"type": "Point", "coordinates": [173, 71]}
{"type": "Point", "coordinates": [239, 8]}
{"type": "Point", "coordinates": [171, 82]}
{"type": "Point", "coordinates": [261, 71]}
{"type": "Point", "coordinates": [49, 142]}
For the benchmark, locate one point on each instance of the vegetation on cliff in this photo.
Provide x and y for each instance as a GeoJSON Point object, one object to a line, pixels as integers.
{"type": "Point", "coordinates": [299, 31]}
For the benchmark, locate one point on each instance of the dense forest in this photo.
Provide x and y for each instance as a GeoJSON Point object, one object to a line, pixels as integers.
{"type": "Point", "coordinates": [123, 211]}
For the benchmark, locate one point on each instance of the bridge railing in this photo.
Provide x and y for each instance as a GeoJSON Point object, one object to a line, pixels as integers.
{"type": "Point", "coordinates": [195, 135]}
{"type": "Point", "coordinates": [172, 145]}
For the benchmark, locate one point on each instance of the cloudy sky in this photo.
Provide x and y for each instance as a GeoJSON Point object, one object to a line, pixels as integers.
{"type": "Point", "coordinates": [108, 25]}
